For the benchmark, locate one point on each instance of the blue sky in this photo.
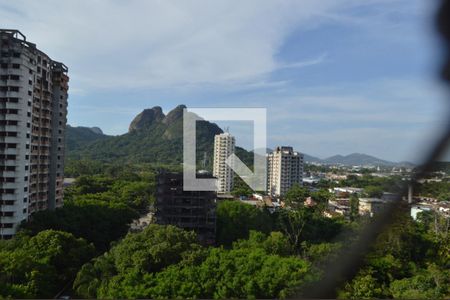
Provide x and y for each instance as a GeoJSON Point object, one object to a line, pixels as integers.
{"type": "Point", "coordinates": [336, 77]}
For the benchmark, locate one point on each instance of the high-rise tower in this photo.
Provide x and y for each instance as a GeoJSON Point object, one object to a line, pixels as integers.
{"type": "Point", "coordinates": [284, 169]}
{"type": "Point", "coordinates": [33, 110]}
{"type": "Point", "coordinates": [224, 145]}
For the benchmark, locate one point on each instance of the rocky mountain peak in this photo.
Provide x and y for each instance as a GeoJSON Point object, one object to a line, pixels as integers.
{"type": "Point", "coordinates": [146, 118]}
{"type": "Point", "coordinates": [96, 130]}
{"type": "Point", "coordinates": [174, 114]}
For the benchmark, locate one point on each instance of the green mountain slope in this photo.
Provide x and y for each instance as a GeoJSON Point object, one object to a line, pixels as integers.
{"type": "Point", "coordinates": [78, 137]}
{"type": "Point", "coordinates": [152, 137]}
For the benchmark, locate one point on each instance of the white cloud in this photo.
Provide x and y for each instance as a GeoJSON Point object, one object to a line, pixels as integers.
{"type": "Point", "coordinates": [395, 119]}
{"type": "Point", "coordinates": [110, 44]}
{"type": "Point", "coordinates": [311, 62]}
{"type": "Point", "coordinates": [230, 45]}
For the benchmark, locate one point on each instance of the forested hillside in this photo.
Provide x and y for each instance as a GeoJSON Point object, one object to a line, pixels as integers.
{"type": "Point", "coordinates": [152, 137]}
{"type": "Point", "coordinates": [85, 249]}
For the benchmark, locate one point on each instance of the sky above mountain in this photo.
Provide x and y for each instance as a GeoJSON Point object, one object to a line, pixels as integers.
{"type": "Point", "coordinates": [335, 76]}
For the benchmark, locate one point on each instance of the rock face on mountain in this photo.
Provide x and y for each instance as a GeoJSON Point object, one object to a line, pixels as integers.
{"type": "Point", "coordinates": [147, 118]}
{"type": "Point", "coordinates": [96, 130]}
{"type": "Point", "coordinates": [152, 137]}
{"type": "Point", "coordinates": [174, 114]}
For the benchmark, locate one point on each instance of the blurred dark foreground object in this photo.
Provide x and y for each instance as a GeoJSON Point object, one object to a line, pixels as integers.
{"type": "Point", "coordinates": [352, 259]}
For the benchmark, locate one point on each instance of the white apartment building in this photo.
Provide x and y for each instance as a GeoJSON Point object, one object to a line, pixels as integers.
{"type": "Point", "coordinates": [284, 169]}
{"type": "Point", "coordinates": [33, 109]}
{"type": "Point", "coordinates": [224, 145]}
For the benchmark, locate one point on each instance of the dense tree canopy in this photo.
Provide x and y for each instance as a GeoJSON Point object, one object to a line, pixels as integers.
{"type": "Point", "coordinates": [241, 188]}
{"type": "Point", "coordinates": [387, 184]}
{"type": "Point", "coordinates": [133, 190]}
{"type": "Point", "coordinates": [259, 254]}
{"type": "Point", "coordinates": [438, 190]}
{"type": "Point", "coordinates": [96, 221]}
{"type": "Point", "coordinates": [136, 255]}
{"type": "Point", "coordinates": [235, 220]}
{"type": "Point", "coordinates": [307, 224]}
{"type": "Point", "coordinates": [100, 207]}
{"type": "Point", "coordinates": [164, 262]}
{"type": "Point", "coordinates": [39, 266]}
{"type": "Point", "coordinates": [354, 207]}
{"type": "Point", "coordinates": [296, 196]}
{"type": "Point", "coordinates": [409, 260]}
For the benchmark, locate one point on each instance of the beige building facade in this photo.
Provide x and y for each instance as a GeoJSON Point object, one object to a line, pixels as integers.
{"type": "Point", "coordinates": [284, 169]}
{"type": "Point", "coordinates": [224, 146]}
{"type": "Point", "coordinates": [33, 110]}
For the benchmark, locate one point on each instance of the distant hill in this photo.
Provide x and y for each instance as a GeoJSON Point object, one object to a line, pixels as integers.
{"type": "Point", "coordinates": [78, 137]}
{"type": "Point", "coordinates": [158, 138]}
{"type": "Point", "coordinates": [355, 159]}
{"type": "Point", "coordinates": [152, 137]}
{"type": "Point", "coordinates": [311, 159]}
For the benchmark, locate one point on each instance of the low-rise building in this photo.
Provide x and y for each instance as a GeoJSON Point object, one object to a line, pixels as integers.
{"type": "Point", "coordinates": [443, 207]}
{"type": "Point", "coordinates": [348, 190]}
{"type": "Point", "coordinates": [418, 208]}
{"type": "Point", "coordinates": [339, 206]}
{"type": "Point", "coordinates": [332, 176]}
{"type": "Point", "coordinates": [264, 202]}
{"type": "Point", "coordinates": [371, 206]}
{"type": "Point", "coordinates": [311, 180]}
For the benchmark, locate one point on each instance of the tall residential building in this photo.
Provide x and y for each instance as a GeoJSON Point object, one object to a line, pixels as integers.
{"type": "Point", "coordinates": [224, 145]}
{"type": "Point", "coordinates": [190, 210]}
{"type": "Point", "coordinates": [284, 169]}
{"type": "Point", "coordinates": [33, 105]}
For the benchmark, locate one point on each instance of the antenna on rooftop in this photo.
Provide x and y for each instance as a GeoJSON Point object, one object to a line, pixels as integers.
{"type": "Point", "coordinates": [205, 160]}
{"type": "Point", "coordinates": [227, 129]}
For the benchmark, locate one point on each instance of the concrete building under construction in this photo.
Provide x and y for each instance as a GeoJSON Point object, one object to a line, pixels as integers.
{"type": "Point", "coordinates": [190, 210]}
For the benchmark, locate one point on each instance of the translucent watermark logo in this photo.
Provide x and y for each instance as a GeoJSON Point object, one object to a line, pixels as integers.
{"type": "Point", "coordinates": [256, 179]}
